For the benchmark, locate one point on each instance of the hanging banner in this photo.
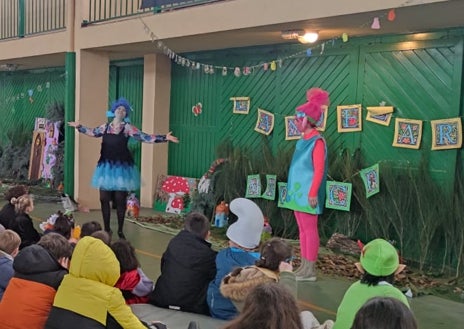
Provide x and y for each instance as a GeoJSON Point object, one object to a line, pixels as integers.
{"type": "Point", "coordinates": [371, 179]}
{"type": "Point", "coordinates": [270, 192]}
{"type": "Point", "coordinates": [253, 189]}
{"type": "Point", "coordinates": [338, 195]}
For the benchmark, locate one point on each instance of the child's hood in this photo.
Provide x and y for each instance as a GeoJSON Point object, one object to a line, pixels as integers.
{"type": "Point", "coordinates": [92, 259]}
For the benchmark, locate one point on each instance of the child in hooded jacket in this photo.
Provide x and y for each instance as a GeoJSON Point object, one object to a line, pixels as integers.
{"type": "Point", "coordinates": [244, 237]}
{"type": "Point", "coordinates": [87, 297]}
{"type": "Point", "coordinates": [39, 270]}
{"type": "Point", "coordinates": [237, 284]}
{"type": "Point", "coordinates": [273, 266]}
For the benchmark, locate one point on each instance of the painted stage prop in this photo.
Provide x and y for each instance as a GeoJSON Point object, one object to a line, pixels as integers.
{"type": "Point", "coordinates": [44, 148]}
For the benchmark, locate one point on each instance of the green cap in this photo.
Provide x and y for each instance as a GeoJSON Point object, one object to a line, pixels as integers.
{"type": "Point", "coordinates": [379, 258]}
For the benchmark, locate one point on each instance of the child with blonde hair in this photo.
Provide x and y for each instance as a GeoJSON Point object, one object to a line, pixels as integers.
{"type": "Point", "coordinates": [22, 224]}
{"type": "Point", "coordinates": [9, 247]}
{"type": "Point", "coordinates": [7, 213]}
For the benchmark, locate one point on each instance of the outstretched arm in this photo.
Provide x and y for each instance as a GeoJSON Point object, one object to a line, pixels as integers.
{"type": "Point", "coordinates": [147, 138]}
{"type": "Point", "coordinates": [95, 132]}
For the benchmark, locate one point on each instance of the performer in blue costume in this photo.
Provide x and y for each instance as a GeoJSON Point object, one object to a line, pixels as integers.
{"type": "Point", "coordinates": [306, 179]}
{"type": "Point", "coordinates": [116, 171]}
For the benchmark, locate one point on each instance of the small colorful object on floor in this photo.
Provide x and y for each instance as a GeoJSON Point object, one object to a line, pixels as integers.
{"type": "Point", "coordinates": [132, 206]}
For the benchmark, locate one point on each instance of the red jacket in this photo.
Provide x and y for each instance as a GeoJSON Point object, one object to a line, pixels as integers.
{"type": "Point", "coordinates": [135, 286]}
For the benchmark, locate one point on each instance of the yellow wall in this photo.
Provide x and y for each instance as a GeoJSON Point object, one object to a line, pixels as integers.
{"type": "Point", "coordinates": [92, 72]}
{"type": "Point", "coordinates": [156, 102]}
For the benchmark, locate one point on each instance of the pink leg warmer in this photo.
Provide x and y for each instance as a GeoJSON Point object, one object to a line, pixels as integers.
{"type": "Point", "coordinates": [309, 235]}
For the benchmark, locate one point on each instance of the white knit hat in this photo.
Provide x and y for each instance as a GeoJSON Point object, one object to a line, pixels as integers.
{"type": "Point", "coordinates": [246, 231]}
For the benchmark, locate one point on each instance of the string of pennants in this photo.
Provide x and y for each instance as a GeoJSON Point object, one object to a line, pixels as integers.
{"type": "Point", "coordinates": [273, 64]}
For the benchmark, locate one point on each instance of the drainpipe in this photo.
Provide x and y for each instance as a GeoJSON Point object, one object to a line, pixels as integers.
{"type": "Point", "coordinates": [21, 18]}
{"type": "Point", "coordinates": [70, 101]}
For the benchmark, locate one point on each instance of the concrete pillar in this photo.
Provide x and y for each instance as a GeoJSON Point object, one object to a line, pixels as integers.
{"type": "Point", "coordinates": [92, 76]}
{"type": "Point", "coordinates": [155, 119]}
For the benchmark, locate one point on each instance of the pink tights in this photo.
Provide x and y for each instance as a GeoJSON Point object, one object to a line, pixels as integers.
{"type": "Point", "coordinates": [309, 235]}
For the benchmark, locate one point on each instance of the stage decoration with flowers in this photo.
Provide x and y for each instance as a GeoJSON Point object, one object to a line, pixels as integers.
{"type": "Point", "coordinates": [291, 129]}
{"type": "Point", "coordinates": [253, 189]}
{"type": "Point", "coordinates": [371, 180]}
{"type": "Point", "coordinates": [271, 184]}
{"type": "Point", "coordinates": [408, 133]}
{"type": "Point", "coordinates": [446, 134]}
{"type": "Point", "coordinates": [241, 105]}
{"type": "Point", "coordinates": [197, 109]}
{"type": "Point", "coordinates": [282, 190]}
{"type": "Point", "coordinates": [349, 118]}
{"type": "Point", "coordinates": [264, 122]}
{"type": "Point", "coordinates": [338, 195]}
{"type": "Point", "coordinates": [173, 193]}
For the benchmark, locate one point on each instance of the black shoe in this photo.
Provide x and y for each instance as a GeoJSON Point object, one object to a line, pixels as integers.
{"type": "Point", "coordinates": [121, 235]}
{"type": "Point", "coordinates": [193, 325]}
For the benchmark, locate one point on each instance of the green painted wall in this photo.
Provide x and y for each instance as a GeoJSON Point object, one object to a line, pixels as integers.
{"type": "Point", "coordinates": [421, 79]}
{"type": "Point", "coordinates": [126, 80]}
{"type": "Point", "coordinates": [17, 107]}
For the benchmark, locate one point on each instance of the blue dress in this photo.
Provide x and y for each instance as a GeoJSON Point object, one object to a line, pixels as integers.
{"type": "Point", "coordinates": [116, 170]}
{"type": "Point", "coordinates": [300, 178]}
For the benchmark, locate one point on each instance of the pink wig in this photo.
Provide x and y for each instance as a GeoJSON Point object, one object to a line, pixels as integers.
{"type": "Point", "coordinates": [313, 108]}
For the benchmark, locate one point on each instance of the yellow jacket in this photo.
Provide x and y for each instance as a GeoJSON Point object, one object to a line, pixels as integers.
{"type": "Point", "coordinates": [89, 290]}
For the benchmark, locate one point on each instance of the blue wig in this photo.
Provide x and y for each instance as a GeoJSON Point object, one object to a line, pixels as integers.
{"type": "Point", "coordinates": [120, 102]}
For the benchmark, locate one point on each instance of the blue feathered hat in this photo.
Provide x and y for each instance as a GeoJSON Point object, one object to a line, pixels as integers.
{"type": "Point", "coordinates": [120, 102]}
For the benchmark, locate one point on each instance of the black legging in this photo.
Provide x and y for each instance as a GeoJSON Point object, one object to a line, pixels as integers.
{"type": "Point", "coordinates": [119, 198]}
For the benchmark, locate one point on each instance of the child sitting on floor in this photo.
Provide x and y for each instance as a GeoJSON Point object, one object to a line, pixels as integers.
{"type": "Point", "coordinates": [379, 262]}
{"type": "Point", "coordinates": [9, 248]}
{"type": "Point", "coordinates": [87, 297]}
{"type": "Point", "coordinates": [237, 284]}
{"type": "Point", "coordinates": [39, 270]}
{"type": "Point", "coordinates": [133, 283]}
{"type": "Point", "coordinates": [244, 236]}
{"type": "Point", "coordinates": [22, 224]}
{"type": "Point", "coordinates": [274, 265]}
{"type": "Point", "coordinates": [187, 267]}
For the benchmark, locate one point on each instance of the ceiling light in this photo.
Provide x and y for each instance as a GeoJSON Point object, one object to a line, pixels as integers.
{"type": "Point", "coordinates": [308, 37]}
{"type": "Point", "coordinates": [292, 34]}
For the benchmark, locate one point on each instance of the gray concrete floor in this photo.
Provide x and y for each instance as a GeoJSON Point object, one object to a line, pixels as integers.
{"type": "Point", "coordinates": [321, 297]}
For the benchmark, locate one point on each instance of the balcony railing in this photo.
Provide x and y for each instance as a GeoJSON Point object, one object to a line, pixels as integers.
{"type": "Point", "coordinates": [19, 18]}
{"type": "Point", "coordinates": [104, 10]}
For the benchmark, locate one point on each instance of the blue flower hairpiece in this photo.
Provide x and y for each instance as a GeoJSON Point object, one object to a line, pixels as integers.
{"type": "Point", "coordinates": [120, 102]}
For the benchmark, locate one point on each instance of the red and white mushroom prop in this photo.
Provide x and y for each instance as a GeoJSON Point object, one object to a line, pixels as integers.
{"type": "Point", "coordinates": [175, 187]}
